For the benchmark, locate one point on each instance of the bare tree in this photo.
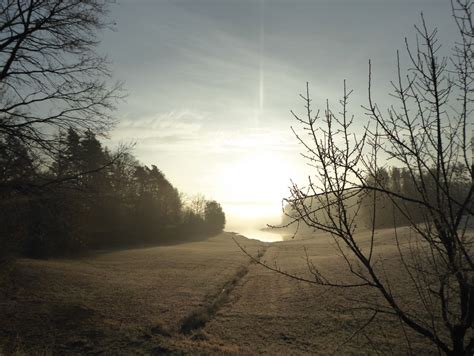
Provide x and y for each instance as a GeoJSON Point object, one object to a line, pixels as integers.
{"type": "Point", "coordinates": [51, 78]}
{"type": "Point", "coordinates": [426, 134]}
{"type": "Point", "coordinates": [197, 204]}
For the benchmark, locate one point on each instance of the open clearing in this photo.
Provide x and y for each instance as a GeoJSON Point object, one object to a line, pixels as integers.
{"type": "Point", "coordinates": [199, 297]}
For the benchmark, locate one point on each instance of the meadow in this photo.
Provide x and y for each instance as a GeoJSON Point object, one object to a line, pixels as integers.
{"type": "Point", "coordinates": [203, 297]}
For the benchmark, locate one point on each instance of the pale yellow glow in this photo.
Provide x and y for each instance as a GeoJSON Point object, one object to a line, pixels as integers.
{"type": "Point", "coordinates": [255, 185]}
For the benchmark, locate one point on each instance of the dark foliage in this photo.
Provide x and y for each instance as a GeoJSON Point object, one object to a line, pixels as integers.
{"type": "Point", "coordinates": [214, 217]}
{"type": "Point", "coordinates": [64, 193]}
{"type": "Point", "coordinates": [118, 202]}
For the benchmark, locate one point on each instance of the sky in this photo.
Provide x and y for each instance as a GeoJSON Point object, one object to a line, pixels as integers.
{"type": "Point", "coordinates": [211, 83]}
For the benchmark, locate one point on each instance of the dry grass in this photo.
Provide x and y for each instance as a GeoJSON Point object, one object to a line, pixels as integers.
{"type": "Point", "coordinates": [272, 314]}
{"type": "Point", "coordinates": [201, 297]}
{"type": "Point", "coordinates": [119, 302]}
{"type": "Point", "coordinates": [198, 318]}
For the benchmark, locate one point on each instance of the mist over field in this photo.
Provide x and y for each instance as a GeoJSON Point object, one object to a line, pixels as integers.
{"type": "Point", "coordinates": [236, 177]}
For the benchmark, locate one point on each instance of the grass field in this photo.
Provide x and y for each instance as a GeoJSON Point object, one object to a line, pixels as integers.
{"type": "Point", "coordinates": [200, 297]}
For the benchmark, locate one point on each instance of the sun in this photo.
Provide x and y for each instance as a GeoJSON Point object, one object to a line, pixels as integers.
{"type": "Point", "coordinates": [259, 177]}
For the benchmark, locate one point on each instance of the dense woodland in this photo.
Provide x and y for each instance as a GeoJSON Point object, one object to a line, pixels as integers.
{"type": "Point", "coordinates": [86, 197]}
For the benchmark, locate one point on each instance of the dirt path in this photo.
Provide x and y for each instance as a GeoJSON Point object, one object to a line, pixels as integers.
{"type": "Point", "coordinates": [271, 313]}
{"type": "Point", "coordinates": [199, 317]}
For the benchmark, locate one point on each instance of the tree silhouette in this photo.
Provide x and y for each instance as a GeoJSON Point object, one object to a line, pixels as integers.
{"type": "Point", "coordinates": [432, 189]}
{"type": "Point", "coordinates": [214, 217]}
{"type": "Point", "coordinates": [61, 190]}
{"type": "Point", "coordinates": [50, 76]}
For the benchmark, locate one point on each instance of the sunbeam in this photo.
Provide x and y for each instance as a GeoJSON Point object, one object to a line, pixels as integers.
{"type": "Point", "coordinates": [261, 85]}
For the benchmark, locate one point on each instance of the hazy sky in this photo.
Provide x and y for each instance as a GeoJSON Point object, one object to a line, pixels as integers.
{"type": "Point", "coordinates": [211, 83]}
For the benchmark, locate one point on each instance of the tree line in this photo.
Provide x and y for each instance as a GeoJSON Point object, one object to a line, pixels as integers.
{"type": "Point", "coordinates": [61, 191]}
{"type": "Point", "coordinates": [382, 210]}
{"type": "Point", "coordinates": [88, 197]}
{"type": "Point", "coordinates": [373, 207]}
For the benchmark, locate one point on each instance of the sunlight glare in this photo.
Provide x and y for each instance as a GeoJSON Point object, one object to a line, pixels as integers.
{"type": "Point", "coordinates": [256, 185]}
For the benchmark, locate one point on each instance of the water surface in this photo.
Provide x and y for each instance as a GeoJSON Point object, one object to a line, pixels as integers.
{"type": "Point", "coordinates": [262, 235]}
